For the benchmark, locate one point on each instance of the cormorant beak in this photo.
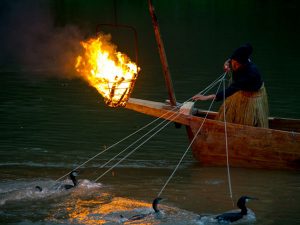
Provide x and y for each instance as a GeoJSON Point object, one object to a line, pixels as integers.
{"type": "Point", "coordinates": [251, 198]}
{"type": "Point", "coordinates": [163, 199]}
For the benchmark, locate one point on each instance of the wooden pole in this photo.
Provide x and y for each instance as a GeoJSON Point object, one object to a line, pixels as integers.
{"type": "Point", "coordinates": [162, 54]}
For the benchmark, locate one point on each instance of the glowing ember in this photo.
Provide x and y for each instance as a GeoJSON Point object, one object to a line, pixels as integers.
{"type": "Point", "coordinates": [109, 71]}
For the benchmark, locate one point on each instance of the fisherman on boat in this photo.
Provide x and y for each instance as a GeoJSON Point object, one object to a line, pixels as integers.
{"type": "Point", "coordinates": [246, 98]}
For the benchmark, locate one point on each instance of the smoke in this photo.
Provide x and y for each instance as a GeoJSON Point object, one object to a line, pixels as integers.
{"type": "Point", "coordinates": [30, 40]}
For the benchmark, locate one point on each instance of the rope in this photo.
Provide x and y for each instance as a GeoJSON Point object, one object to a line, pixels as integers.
{"type": "Point", "coordinates": [206, 89]}
{"type": "Point", "coordinates": [130, 135]}
{"type": "Point", "coordinates": [226, 145]}
{"type": "Point", "coordinates": [136, 148]}
{"type": "Point", "coordinates": [140, 138]}
{"type": "Point", "coordinates": [194, 138]}
{"type": "Point", "coordinates": [110, 147]}
{"type": "Point", "coordinates": [219, 79]}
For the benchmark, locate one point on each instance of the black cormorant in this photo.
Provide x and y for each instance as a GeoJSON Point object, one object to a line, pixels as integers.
{"type": "Point", "coordinates": [38, 188]}
{"type": "Point", "coordinates": [72, 176]}
{"type": "Point", "coordinates": [234, 216]}
{"type": "Point", "coordinates": [155, 204]}
{"type": "Point", "coordinates": [142, 216]}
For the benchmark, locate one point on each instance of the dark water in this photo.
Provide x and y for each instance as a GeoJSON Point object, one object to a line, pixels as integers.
{"type": "Point", "coordinates": [51, 123]}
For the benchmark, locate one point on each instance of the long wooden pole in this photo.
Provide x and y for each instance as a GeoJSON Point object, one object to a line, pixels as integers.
{"type": "Point", "coordinates": [162, 54]}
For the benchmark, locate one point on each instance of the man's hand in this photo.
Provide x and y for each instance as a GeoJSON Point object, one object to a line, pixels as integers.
{"type": "Point", "coordinates": [203, 97]}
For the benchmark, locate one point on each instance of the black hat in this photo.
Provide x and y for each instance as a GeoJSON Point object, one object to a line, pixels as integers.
{"type": "Point", "coordinates": [242, 53]}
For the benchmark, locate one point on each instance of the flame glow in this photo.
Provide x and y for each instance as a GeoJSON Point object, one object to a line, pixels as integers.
{"type": "Point", "coordinates": [104, 211]}
{"type": "Point", "coordinates": [111, 72]}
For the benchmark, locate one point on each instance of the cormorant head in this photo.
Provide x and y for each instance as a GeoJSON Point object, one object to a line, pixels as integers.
{"type": "Point", "coordinates": [73, 176]}
{"type": "Point", "coordinates": [74, 173]}
{"type": "Point", "coordinates": [38, 188]}
{"type": "Point", "coordinates": [241, 203]}
{"type": "Point", "coordinates": [155, 203]}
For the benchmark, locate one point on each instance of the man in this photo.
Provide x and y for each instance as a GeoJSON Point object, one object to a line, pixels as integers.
{"type": "Point", "coordinates": [246, 98]}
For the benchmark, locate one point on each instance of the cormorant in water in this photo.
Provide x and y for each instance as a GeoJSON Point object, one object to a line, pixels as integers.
{"type": "Point", "coordinates": [234, 216]}
{"type": "Point", "coordinates": [155, 204]}
{"type": "Point", "coordinates": [72, 176]}
{"type": "Point", "coordinates": [142, 216]}
{"type": "Point", "coordinates": [38, 188]}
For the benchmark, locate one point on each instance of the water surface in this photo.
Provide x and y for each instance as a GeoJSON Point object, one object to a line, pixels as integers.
{"type": "Point", "coordinates": [50, 124]}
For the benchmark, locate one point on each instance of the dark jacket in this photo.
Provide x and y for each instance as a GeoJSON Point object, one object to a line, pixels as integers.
{"type": "Point", "coordinates": [246, 78]}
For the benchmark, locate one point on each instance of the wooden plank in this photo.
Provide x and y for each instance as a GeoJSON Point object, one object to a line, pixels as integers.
{"type": "Point", "coordinates": [162, 54]}
{"type": "Point", "coordinates": [284, 124]}
{"type": "Point", "coordinates": [157, 109]}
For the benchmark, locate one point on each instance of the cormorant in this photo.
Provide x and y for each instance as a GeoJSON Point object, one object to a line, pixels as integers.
{"type": "Point", "coordinates": [72, 176]}
{"type": "Point", "coordinates": [155, 204]}
{"type": "Point", "coordinates": [38, 188]}
{"type": "Point", "coordinates": [234, 216]}
{"type": "Point", "coordinates": [142, 216]}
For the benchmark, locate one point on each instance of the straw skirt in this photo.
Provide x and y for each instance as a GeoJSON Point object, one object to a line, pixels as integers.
{"type": "Point", "coordinates": [247, 108]}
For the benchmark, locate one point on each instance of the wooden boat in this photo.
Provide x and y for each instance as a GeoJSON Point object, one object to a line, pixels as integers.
{"type": "Point", "coordinates": [277, 147]}
{"type": "Point", "coordinates": [251, 147]}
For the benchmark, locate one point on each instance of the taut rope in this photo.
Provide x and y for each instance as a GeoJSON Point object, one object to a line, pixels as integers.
{"type": "Point", "coordinates": [226, 146]}
{"type": "Point", "coordinates": [220, 78]}
{"type": "Point", "coordinates": [118, 142]}
{"type": "Point", "coordinates": [184, 154]}
{"type": "Point", "coordinates": [136, 147]}
{"type": "Point", "coordinates": [169, 118]}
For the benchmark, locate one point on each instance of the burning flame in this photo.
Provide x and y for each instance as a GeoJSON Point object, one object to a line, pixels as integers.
{"type": "Point", "coordinates": [111, 72]}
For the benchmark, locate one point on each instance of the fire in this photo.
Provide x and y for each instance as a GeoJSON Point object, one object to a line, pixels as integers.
{"type": "Point", "coordinates": [111, 72]}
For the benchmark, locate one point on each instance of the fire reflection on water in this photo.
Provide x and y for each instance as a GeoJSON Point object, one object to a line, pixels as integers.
{"type": "Point", "coordinates": [104, 209]}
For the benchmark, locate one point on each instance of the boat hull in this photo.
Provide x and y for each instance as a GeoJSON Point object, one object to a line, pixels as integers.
{"type": "Point", "coordinates": [248, 147]}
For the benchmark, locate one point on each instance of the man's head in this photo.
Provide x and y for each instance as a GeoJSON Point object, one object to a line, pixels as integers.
{"type": "Point", "coordinates": [242, 54]}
